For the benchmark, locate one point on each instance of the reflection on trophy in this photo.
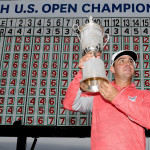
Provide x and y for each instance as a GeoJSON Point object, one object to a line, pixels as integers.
{"type": "Point", "coordinates": [91, 39]}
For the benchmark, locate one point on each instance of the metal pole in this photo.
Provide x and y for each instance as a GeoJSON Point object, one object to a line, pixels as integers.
{"type": "Point", "coordinates": [21, 143]}
{"type": "Point", "coordinates": [34, 143]}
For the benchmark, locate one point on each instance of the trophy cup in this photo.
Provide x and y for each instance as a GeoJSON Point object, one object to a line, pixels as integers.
{"type": "Point", "coordinates": [91, 39]}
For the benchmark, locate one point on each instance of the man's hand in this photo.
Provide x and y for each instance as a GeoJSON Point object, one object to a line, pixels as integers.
{"type": "Point", "coordinates": [108, 91]}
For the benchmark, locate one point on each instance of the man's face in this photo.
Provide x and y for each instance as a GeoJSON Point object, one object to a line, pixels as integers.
{"type": "Point", "coordinates": [123, 67]}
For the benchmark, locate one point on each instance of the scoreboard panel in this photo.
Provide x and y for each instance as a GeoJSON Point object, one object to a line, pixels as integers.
{"type": "Point", "coordinates": [39, 58]}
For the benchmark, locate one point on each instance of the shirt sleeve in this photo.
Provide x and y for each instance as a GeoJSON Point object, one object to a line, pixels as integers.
{"type": "Point", "coordinates": [75, 99]}
{"type": "Point", "coordinates": [138, 112]}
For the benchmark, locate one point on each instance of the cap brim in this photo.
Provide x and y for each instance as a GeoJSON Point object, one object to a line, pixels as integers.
{"type": "Point", "coordinates": [130, 53]}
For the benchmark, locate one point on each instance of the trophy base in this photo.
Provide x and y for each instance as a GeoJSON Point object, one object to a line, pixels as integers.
{"type": "Point", "coordinates": [92, 84]}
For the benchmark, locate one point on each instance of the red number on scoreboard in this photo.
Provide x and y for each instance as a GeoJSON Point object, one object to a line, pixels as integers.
{"type": "Point", "coordinates": [24, 64]}
{"type": "Point", "coordinates": [51, 110]}
{"type": "Point", "coordinates": [83, 120]}
{"type": "Point", "coordinates": [64, 74]}
{"type": "Point", "coordinates": [146, 47]}
{"type": "Point", "coordinates": [76, 48]}
{"type": "Point", "coordinates": [53, 91]}
{"type": "Point", "coordinates": [43, 82]}
{"type": "Point", "coordinates": [34, 73]}
{"type": "Point", "coordinates": [76, 40]}
{"type": "Point", "coordinates": [64, 82]}
{"type": "Point", "coordinates": [137, 82]}
{"type": "Point", "coordinates": [73, 120]}
{"type": "Point", "coordinates": [136, 47]}
{"type": "Point", "coordinates": [106, 48]}
{"type": "Point", "coordinates": [66, 39]}
{"type": "Point", "coordinates": [27, 39]}
{"type": "Point", "coordinates": [136, 39]}
{"type": "Point", "coordinates": [74, 73]}
{"type": "Point", "coordinates": [41, 110]}
{"type": "Point", "coordinates": [13, 82]}
{"type": "Point", "coordinates": [14, 73]}
{"type": "Point", "coordinates": [20, 101]}
{"type": "Point", "coordinates": [37, 39]}
{"type": "Point", "coordinates": [44, 73]}
{"type": "Point", "coordinates": [8, 120]}
{"type": "Point", "coordinates": [63, 92]}
{"type": "Point", "coordinates": [62, 120]}
{"type": "Point", "coordinates": [22, 91]}
{"type": "Point", "coordinates": [1, 109]}
{"type": "Point", "coordinates": [12, 91]}
{"type": "Point", "coordinates": [50, 120]}
{"type": "Point", "coordinates": [126, 47]}
{"type": "Point", "coordinates": [10, 100]}
{"type": "Point", "coordinates": [33, 82]}
{"type": "Point", "coordinates": [25, 56]}
{"type": "Point", "coordinates": [46, 48]}
{"type": "Point", "coordinates": [62, 110]}
{"type": "Point", "coordinates": [3, 82]}
{"type": "Point", "coordinates": [29, 120]}
{"type": "Point", "coordinates": [146, 56]}
{"type": "Point", "coordinates": [47, 40]}
{"type": "Point", "coordinates": [23, 73]}
{"type": "Point", "coordinates": [75, 56]}
{"type": "Point", "coordinates": [54, 73]}
{"type": "Point", "coordinates": [42, 101]}
{"type": "Point", "coordinates": [32, 91]}
{"type": "Point", "coordinates": [31, 101]}
{"type": "Point", "coordinates": [22, 82]}
{"type": "Point", "coordinates": [18, 39]}
{"type": "Point", "coordinates": [26, 48]}
{"type": "Point", "coordinates": [15, 64]}
{"type": "Point", "coordinates": [19, 110]}
{"type": "Point", "coordinates": [10, 110]}
{"type": "Point", "coordinates": [31, 110]}
{"type": "Point", "coordinates": [4, 73]}
{"type": "Point", "coordinates": [43, 91]}
{"type": "Point", "coordinates": [146, 74]}
{"type": "Point", "coordinates": [147, 83]}
{"type": "Point", "coordinates": [45, 64]}
{"type": "Point", "coordinates": [54, 65]}
{"type": "Point", "coordinates": [5, 64]}
{"type": "Point", "coordinates": [51, 101]}
{"type": "Point", "coordinates": [6, 56]}
{"type": "Point", "coordinates": [1, 100]}
{"type": "Point", "coordinates": [40, 120]}
{"type": "Point", "coordinates": [53, 82]}
{"type": "Point", "coordinates": [2, 91]}
{"type": "Point", "coordinates": [35, 64]}
{"type": "Point", "coordinates": [137, 74]}
{"type": "Point", "coordinates": [17, 48]}
{"type": "Point", "coordinates": [145, 39]}
{"type": "Point", "coordinates": [75, 65]}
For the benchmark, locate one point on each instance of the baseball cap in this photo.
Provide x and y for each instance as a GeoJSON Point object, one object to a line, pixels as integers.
{"type": "Point", "coordinates": [123, 52]}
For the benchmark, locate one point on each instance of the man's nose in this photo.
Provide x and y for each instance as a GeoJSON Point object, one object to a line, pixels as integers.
{"type": "Point", "coordinates": [127, 63]}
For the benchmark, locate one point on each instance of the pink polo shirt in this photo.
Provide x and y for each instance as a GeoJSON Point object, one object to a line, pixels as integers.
{"type": "Point", "coordinates": [118, 125]}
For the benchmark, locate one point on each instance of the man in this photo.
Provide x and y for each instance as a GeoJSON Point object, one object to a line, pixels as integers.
{"type": "Point", "coordinates": [119, 111]}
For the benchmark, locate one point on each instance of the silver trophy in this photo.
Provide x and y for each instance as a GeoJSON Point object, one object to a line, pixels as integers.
{"type": "Point", "coordinates": [91, 39]}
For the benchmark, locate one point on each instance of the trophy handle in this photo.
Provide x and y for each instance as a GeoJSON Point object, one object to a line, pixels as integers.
{"type": "Point", "coordinates": [74, 29]}
{"type": "Point", "coordinates": [107, 39]}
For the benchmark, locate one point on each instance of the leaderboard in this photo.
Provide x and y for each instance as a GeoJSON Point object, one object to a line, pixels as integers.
{"type": "Point", "coordinates": [39, 58]}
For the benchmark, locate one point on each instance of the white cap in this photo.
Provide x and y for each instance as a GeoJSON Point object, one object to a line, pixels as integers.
{"type": "Point", "coordinates": [116, 55]}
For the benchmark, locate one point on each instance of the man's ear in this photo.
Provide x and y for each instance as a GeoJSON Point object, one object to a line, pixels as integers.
{"type": "Point", "coordinates": [112, 69]}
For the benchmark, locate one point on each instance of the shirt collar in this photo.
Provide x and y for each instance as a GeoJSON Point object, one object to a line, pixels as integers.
{"type": "Point", "coordinates": [118, 88]}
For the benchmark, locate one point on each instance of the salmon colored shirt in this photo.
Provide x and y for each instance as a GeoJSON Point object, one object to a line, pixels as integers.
{"type": "Point", "coordinates": [118, 125]}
